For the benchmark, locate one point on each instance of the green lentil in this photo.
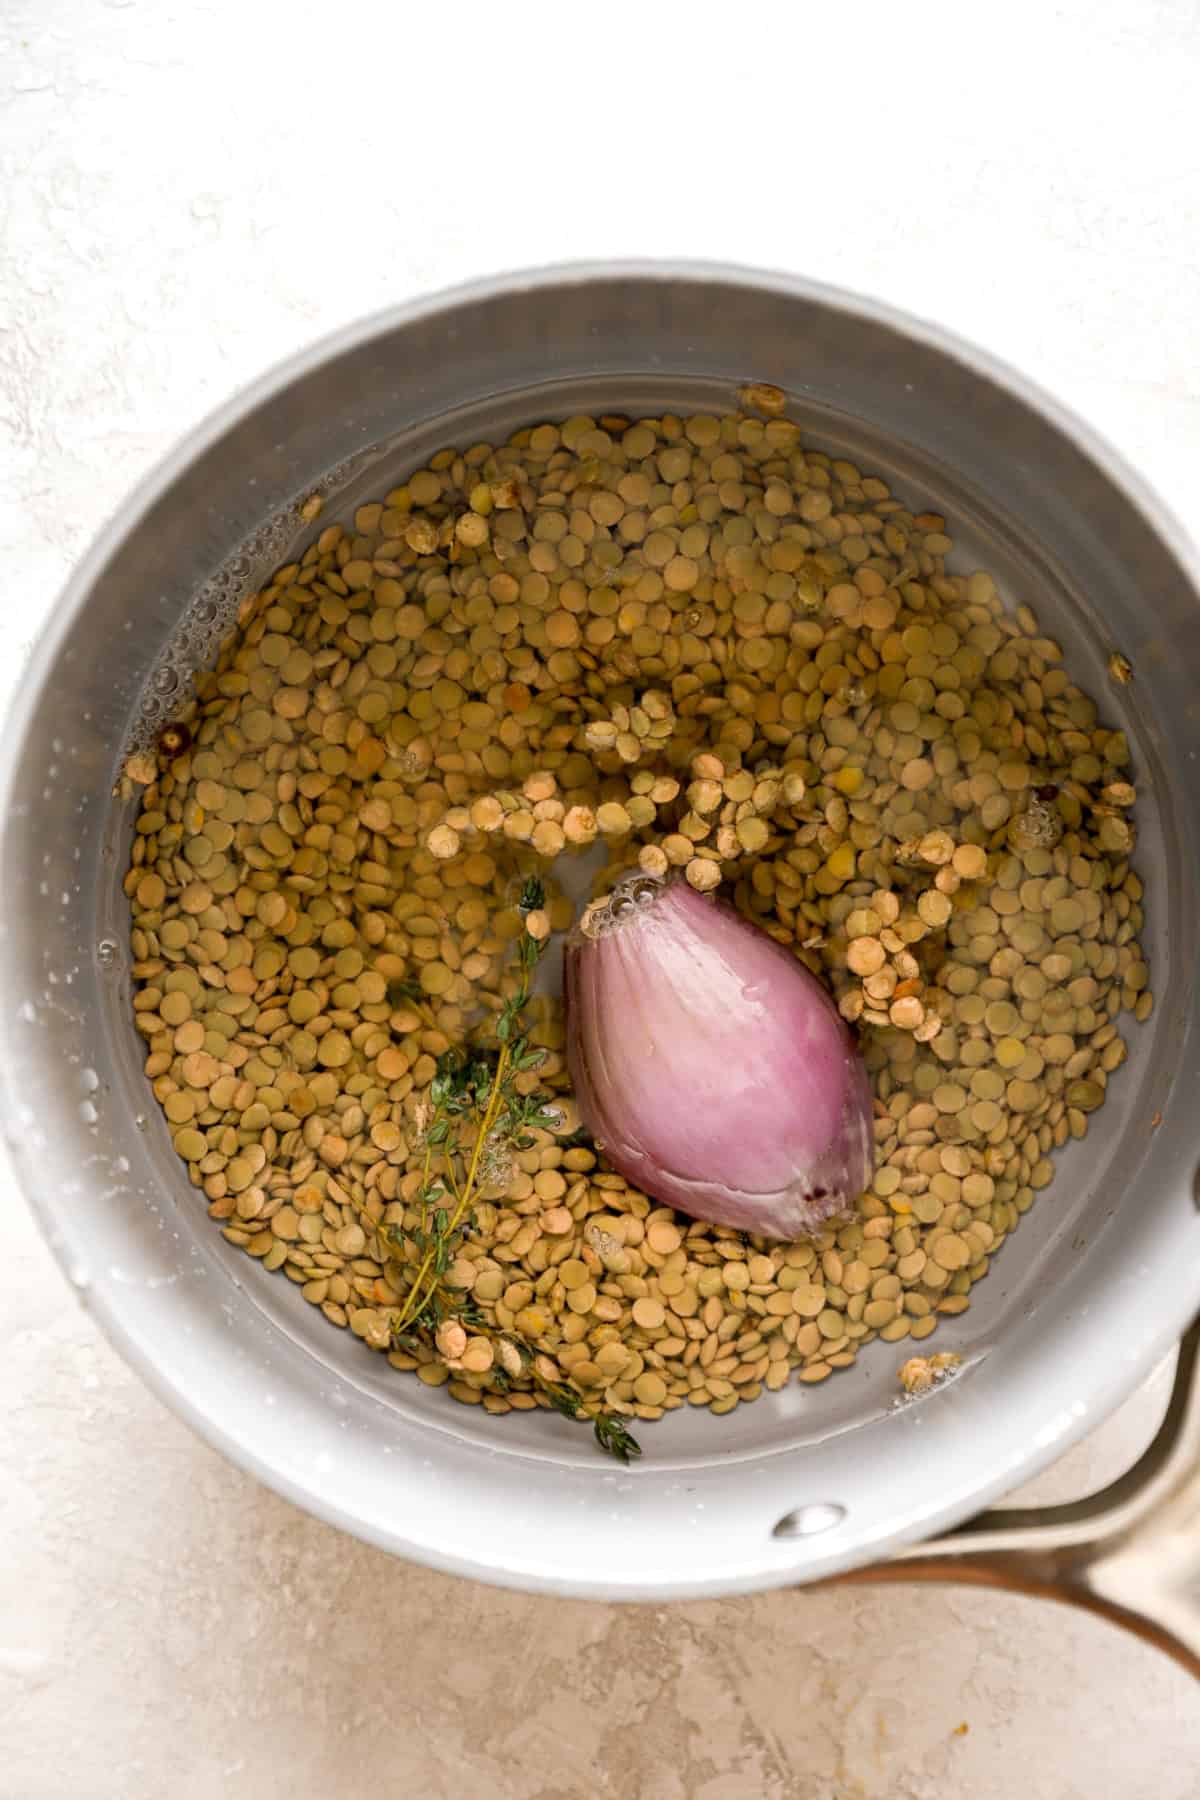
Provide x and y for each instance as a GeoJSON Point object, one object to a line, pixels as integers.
{"type": "Point", "coordinates": [716, 651]}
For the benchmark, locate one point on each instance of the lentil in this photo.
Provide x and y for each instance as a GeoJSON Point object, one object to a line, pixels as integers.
{"type": "Point", "coordinates": [716, 652]}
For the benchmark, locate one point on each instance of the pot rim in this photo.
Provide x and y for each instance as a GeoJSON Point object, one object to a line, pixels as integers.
{"type": "Point", "coordinates": [1108, 1382]}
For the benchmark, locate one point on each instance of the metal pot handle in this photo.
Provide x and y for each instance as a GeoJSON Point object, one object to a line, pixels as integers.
{"type": "Point", "coordinates": [1130, 1553]}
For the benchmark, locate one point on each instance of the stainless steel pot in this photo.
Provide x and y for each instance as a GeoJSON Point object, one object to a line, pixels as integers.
{"type": "Point", "coordinates": [1103, 1275]}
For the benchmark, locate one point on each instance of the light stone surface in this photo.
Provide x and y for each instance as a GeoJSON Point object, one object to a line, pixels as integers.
{"type": "Point", "coordinates": [191, 191]}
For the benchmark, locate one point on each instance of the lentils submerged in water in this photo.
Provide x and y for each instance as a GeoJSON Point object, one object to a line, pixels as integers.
{"type": "Point", "coordinates": [690, 647]}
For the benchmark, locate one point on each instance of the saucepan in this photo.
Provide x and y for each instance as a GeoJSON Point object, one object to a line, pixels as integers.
{"type": "Point", "coordinates": [808, 1483]}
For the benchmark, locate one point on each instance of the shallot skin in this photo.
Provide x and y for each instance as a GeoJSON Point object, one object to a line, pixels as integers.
{"type": "Point", "coordinates": [712, 1068]}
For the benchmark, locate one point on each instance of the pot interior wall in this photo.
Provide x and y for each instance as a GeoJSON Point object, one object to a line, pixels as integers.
{"type": "Point", "coordinates": [128, 1225]}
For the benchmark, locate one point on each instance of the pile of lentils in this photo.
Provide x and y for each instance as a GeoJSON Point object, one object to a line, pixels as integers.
{"type": "Point", "coordinates": [699, 646]}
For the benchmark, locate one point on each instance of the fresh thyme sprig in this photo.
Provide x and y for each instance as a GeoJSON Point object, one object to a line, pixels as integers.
{"type": "Point", "coordinates": [608, 1428]}
{"type": "Point", "coordinates": [476, 1088]}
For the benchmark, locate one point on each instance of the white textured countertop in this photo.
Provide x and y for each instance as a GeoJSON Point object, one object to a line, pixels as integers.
{"type": "Point", "coordinates": [190, 191]}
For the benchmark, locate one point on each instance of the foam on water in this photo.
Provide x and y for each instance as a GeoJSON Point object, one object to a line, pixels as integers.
{"type": "Point", "coordinates": [197, 639]}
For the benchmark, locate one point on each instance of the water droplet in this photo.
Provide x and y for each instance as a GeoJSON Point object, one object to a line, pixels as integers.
{"type": "Point", "coordinates": [808, 1521]}
{"type": "Point", "coordinates": [106, 953]}
{"type": "Point", "coordinates": [79, 1276]}
{"type": "Point", "coordinates": [88, 1113]}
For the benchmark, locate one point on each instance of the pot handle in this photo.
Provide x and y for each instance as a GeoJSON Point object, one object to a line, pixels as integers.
{"type": "Point", "coordinates": [1130, 1553]}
